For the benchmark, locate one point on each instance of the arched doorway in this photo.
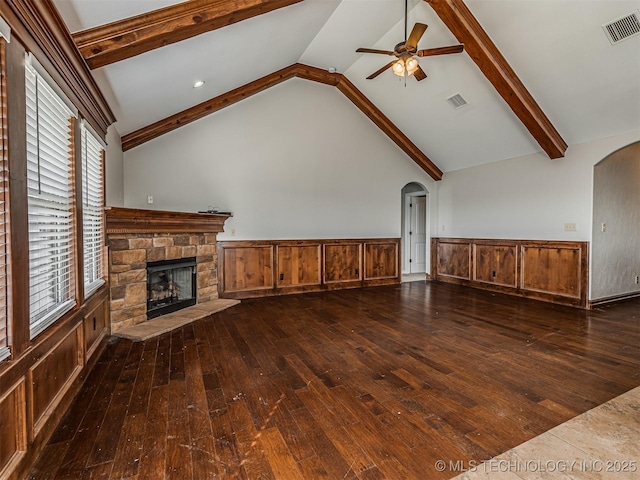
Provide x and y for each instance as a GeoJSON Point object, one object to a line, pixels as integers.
{"type": "Point", "coordinates": [415, 232]}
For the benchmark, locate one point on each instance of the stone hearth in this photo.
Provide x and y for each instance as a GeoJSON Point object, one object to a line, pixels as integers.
{"type": "Point", "coordinates": [135, 237]}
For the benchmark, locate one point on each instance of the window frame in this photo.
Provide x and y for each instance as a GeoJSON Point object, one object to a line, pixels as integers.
{"type": "Point", "coordinates": [93, 203]}
{"type": "Point", "coordinates": [5, 233]}
{"type": "Point", "coordinates": [54, 287]}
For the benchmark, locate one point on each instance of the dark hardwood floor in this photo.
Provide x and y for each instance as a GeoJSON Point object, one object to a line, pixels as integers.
{"type": "Point", "coordinates": [369, 384]}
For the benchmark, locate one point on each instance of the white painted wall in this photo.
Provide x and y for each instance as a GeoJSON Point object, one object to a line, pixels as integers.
{"type": "Point", "coordinates": [529, 197]}
{"type": "Point", "coordinates": [296, 161]}
{"type": "Point", "coordinates": [615, 252]}
{"type": "Point", "coordinates": [114, 169]}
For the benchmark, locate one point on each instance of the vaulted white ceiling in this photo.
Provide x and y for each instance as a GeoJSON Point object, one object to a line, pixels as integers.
{"type": "Point", "coordinates": [588, 88]}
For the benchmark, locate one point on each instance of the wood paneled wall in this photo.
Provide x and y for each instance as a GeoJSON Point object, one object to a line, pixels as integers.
{"type": "Point", "coordinates": [38, 387]}
{"type": "Point", "coordinates": [277, 267]}
{"type": "Point", "coordinates": [43, 374]}
{"type": "Point", "coordinates": [552, 271]}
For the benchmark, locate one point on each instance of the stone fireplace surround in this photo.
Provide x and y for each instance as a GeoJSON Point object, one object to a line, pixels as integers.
{"type": "Point", "coordinates": [136, 236]}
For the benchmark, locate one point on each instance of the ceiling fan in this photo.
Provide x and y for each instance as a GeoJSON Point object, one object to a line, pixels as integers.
{"type": "Point", "coordinates": [406, 52]}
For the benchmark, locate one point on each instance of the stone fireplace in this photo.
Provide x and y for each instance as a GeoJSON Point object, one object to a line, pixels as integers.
{"type": "Point", "coordinates": [138, 241]}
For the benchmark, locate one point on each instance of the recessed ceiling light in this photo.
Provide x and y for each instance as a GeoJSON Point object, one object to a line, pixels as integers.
{"type": "Point", "coordinates": [198, 84]}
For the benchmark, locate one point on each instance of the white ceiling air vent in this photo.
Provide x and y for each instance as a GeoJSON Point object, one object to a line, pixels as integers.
{"type": "Point", "coordinates": [456, 101]}
{"type": "Point", "coordinates": [622, 28]}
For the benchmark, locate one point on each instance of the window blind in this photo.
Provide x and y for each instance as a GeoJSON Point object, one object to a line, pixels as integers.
{"type": "Point", "coordinates": [4, 192]}
{"type": "Point", "coordinates": [50, 190]}
{"type": "Point", "coordinates": [92, 210]}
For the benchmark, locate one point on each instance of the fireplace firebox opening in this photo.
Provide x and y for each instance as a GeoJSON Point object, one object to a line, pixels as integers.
{"type": "Point", "coordinates": [171, 286]}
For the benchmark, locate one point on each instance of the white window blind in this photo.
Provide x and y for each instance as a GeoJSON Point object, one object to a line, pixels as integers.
{"type": "Point", "coordinates": [50, 188]}
{"type": "Point", "coordinates": [4, 192]}
{"type": "Point", "coordinates": [92, 211]}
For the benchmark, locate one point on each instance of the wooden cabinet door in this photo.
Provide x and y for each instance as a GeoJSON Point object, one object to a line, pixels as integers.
{"type": "Point", "coordinates": [495, 264]}
{"type": "Point", "coordinates": [298, 265]}
{"type": "Point", "coordinates": [380, 260]}
{"type": "Point", "coordinates": [454, 260]}
{"type": "Point", "coordinates": [94, 325]}
{"type": "Point", "coordinates": [247, 268]}
{"type": "Point", "coordinates": [342, 262]}
{"type": "Point", "coordinates": [552, 269]}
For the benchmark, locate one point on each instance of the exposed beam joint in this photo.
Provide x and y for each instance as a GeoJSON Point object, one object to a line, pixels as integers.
{"type": "Point", "coordinates": [306, 72]}
{"type": "Point", "coordinates": [132, 36]}
{"type": "Point", "coordinates": [459, 19]}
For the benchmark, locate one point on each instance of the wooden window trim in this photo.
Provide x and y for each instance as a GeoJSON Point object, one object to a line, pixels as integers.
{"type": "Point", "coordinates": [5, 299]}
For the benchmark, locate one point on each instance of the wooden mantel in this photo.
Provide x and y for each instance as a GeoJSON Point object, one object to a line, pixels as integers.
{"type": "Point", "coordinates": [133, 220]}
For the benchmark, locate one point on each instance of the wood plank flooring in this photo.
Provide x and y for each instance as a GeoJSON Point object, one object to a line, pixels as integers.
{"type": "Point", "coordinates": [362, 384]}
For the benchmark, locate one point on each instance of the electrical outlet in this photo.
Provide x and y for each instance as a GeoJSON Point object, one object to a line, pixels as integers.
{"type": "Point", "coordinates": [149, 199]}
{"type": "Point", "coordinates": [570, 227]}
{"type": "Point", "coordinates": [603, 227]}
{"type": "Point", "coordinates": [637, 279]}
{"type": "Point", "coordinates": [232, 232]}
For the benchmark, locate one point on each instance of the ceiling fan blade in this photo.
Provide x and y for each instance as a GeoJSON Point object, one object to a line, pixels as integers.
{"type": "Point", "coordinates": [373, 50]}
{"type": "Point", "coordinates": [419, 74]}
{"type": "Point", "coordinates": [430, 52]}
{"type": "Point", "coordinates": [378, 72]}
{"type": "Point", "coordinates": [416, 35]}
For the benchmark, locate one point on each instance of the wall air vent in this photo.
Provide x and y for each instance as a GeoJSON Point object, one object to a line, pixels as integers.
{"type": "Point", "coordinates": [456, 101]}
{"type": "Point", "coordinates": [622, 28]}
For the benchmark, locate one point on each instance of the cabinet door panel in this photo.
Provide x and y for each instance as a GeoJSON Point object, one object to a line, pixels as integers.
{"type": "Point", "coordinates": [248, 268]}
{"type": "Point", "coordinates": [453, 260]}
{"type": "Point", "coordinates": [298, 265]}
{"type": "Point", "coordinates": [342, 263]}
{"type": "Point", "coordinates": [52, 375]}
{"type": "Point", "coordinates": [495, 264]}
{"type": "Point", "coordinates": [484, 263]}
{"type": "Point", "coordinates": [12, 424]}
{"type": "Point", "coordinates": [380, 260]}
{"type": "Point", "coordinates": [94, 325]}
{"type": "Point", "coordinates": [555, 270]}
{"type": "Point", "coordinates": [505, 263]}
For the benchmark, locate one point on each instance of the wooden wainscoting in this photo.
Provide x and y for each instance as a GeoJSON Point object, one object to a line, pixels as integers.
{"type": "Point", "coordinates": [299, 265]}
{"type": "Point", "coordinates": [247, 268]}
{"type": "Point", "coordinates": [13, 422]}
{"type": "Point", "coordinates": [43, 381]}
{"type": "Point", "coordinates": [552, 271]}
{"type": "Point", "coordinates": [454, 260]}
{"type": "Point", "coordinates": [277, 267]}
{"type": "Point", "coordinates": [342, 263]}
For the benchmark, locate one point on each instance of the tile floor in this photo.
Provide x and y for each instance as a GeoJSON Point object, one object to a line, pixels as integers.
{"type": "Point", "coordinates": [603, 443]}
{"type": "Point", "coordinates": [413, 277]}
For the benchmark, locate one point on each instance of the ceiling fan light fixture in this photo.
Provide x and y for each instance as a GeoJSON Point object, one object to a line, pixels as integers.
{"type": "Point", "coordinates": [398, 68]}
{"type": "Point", "coordinates": [411, 65]}
{"type": "Point", "coordinates": [407, 63]}
{"type": "Point", "coordinates": [405, 66]}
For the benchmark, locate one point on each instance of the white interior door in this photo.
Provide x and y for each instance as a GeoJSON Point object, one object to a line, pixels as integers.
{"type": "Point", "coordinates": [418, 235]}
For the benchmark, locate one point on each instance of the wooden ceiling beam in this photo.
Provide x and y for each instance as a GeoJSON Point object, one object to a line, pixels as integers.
{"type": "Point", "coordinates": [132, 36]}
{"type": "Point", "coordinates": [459, 19]}
{"type": "Point", "coordinates": [388, 127]}
{"type": "Point", "coordinates": [38, 26]}
{"type": "Point", "coordinates": [306, 72]}
{"type": "Point", "coordinates": [208, 107]}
